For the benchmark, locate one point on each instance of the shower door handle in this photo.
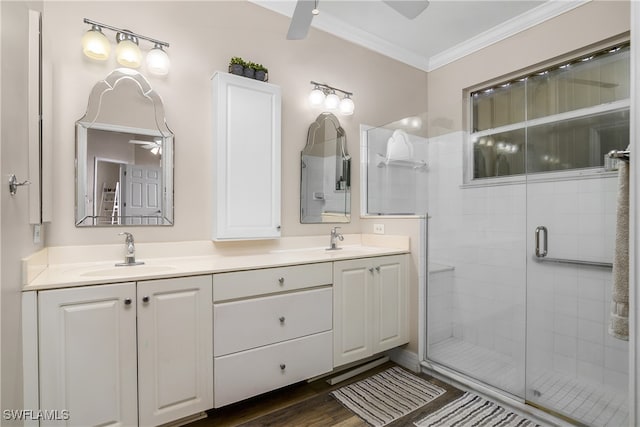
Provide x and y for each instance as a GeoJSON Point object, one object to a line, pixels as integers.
{"type": "Point", "coordinates": [541, 229]}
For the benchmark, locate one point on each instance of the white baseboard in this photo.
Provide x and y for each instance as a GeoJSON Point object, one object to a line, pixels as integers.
{"type": "Point", "coordinates": [405, 358]}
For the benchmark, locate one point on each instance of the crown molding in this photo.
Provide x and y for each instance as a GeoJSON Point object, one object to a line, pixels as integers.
{"type": "Point", "coordinates": [535, 16]}
{"type": "Point", "coordinates": [520, 23]}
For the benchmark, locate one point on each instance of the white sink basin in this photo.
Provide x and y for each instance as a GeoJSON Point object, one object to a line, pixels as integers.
{"type": "Point", "coordinates": [134, 270]}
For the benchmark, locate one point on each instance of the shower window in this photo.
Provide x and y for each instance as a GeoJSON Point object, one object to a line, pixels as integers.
{"type": "Point", "coordinates": [557, 119]}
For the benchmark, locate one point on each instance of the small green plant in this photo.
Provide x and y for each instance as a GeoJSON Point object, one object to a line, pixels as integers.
{"type": "Point", "coordinates": [237, 60]}
{"type": "Point", "coordinates": [260, 67]}
{"type": "Point", "coordinates": [250, 64]}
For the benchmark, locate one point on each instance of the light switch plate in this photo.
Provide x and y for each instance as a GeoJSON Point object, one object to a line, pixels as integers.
{"type": "Point", "coordinates": [378, 228]}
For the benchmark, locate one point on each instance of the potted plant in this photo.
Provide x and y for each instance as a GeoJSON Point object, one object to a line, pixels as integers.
{"type": "Point", "coordinates": [249, 69]}
{"type": "Point", "coordinates": [236, 66]}
{"type": "Point", "coordinates": [262, 73]}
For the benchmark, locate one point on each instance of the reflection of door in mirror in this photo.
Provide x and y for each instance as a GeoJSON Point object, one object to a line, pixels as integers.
{"type": "Point", "coordinates": [325, 194]}
{"type": "Point", "coordinates": [124, 178]}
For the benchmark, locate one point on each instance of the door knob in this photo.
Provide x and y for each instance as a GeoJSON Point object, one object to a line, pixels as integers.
{"type": "Point", "coordinates": [281, 319]}
{"type": "Point", "coordinates": [283, 366]}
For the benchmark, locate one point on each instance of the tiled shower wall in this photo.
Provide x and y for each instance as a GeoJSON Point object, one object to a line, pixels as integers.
{"type": "Point", "coordinates": [486, 234]}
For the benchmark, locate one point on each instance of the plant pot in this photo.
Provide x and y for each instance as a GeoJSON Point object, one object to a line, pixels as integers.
{"type": "Point", "coordinates": [236, 69]}
{"type": "Point", "coordinates": [249, 72]}
{"type": "Point", "coordinates": [261, 75]}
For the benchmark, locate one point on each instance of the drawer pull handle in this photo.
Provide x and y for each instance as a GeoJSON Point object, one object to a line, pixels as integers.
{"type": "Point", "coordinates": [283, 366]}
{"type": "Point", "coordinates": [281, 319]}
{"type": "Point", "coordinates": [281, 281]}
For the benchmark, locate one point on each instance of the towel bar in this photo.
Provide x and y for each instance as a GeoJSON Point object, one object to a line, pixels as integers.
{"type": "Point", "coordinates": [620, 154]}
{"type": "Point", "coordinates": [576, 262]}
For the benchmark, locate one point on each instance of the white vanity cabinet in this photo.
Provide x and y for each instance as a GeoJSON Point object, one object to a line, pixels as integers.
{"type": "Point", "coordinates": [108, 368]}
{"type": "Point", "coordinates": [272, 327]}
{"type": "Point", "coordinates": [370, 307]}
{"type": "Point", "coordinates": [246, 158]}
{"type": "Point", "coordinates": [175, 375]}
{"type": "Point", "coordinates": [87, 340]}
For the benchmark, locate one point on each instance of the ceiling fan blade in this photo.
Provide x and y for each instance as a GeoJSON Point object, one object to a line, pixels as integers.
{"type": "Point", "coordinates": [408, 8]}
{"type": "Point", "coordinates": [301, 19]}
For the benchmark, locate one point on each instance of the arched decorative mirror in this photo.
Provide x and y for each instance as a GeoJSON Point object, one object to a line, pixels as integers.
{"type": "Point", "coordinates": [124, 155]}
{"type": "Point", "coordinates": [325, 187]}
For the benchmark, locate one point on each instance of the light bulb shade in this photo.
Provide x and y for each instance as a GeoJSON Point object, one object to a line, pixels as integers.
{"type": "Point", "coordinates": [128, 54]}
{"type": "Point", "coordinates": [95, 45]}
{"type": "Point", "coordinates": [331, 102]}
{"type": "Point", "coordinates": [158, 61]}
{"type": "Point", "coordinates": [347, 106]}
{"type": "Point", "coordinates": [316, 97]}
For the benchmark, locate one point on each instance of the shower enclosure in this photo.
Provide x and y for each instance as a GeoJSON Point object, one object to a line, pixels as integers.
{"type": "Point", "coordinates": [522, 212]}
{"type": "Point", "coordinates": [521, 239]}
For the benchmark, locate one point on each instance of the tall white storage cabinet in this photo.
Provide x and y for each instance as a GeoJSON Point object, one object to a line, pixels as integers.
{"type": "Point", "coordinates": [246, 120]}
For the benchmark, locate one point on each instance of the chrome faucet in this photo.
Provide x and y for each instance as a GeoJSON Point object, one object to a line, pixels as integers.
{"type": "Point", "coordinates": [130, 256]}
{"type": "Point", "coordinates": [335, 235]}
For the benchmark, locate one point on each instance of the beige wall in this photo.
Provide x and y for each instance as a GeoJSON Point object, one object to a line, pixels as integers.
{"type": "Point", "coordinates": [17, 234]}
{"type": "Point", "coordinates": [588, 24]}
{"type": "Point", "coordinates": [203, 37]}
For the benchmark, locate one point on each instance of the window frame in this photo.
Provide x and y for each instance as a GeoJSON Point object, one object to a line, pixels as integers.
{"type": "Point", "coordinates": [577, 173]}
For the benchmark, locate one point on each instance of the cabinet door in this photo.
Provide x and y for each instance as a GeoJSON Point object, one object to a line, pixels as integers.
{"type": "Point", "coordinates": [390, 303]}
{"type": "Point", "coordinates": [246, 158]}
{"type": "Point", "coordinates": [88, 354]}
{"type": "Point", "coordinates": [175, 354]}
{"type": "Point", "coordinates": [352, 295]}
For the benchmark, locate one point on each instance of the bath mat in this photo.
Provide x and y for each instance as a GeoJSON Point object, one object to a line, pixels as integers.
{"type": "Point", "coordinates": [387, 396]}
{"type": "Point", "coordinates": [473, 410]}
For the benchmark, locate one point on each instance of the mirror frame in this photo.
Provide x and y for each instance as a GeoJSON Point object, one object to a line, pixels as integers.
{"type": "Point", "coordinates": [89, 121]}
{"type": "Point", "coordinates": [346, 162]}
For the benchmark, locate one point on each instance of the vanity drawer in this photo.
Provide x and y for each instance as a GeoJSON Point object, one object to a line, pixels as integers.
{"type": "Point", "coordinates": [252, 372]}
{"type": "Point", "coordinates": [245, 324]}
{"type": "Point", "coordinates": [243, 284]}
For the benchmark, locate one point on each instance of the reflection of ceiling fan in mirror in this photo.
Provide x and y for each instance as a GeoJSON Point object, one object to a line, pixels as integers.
{"type": "Point", "coordinates": [154, 146]}
{"type": "Point", "coordinates": [306, 9]}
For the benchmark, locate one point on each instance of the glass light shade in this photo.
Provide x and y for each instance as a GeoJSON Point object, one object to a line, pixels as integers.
{"type": "Point", "coordinates": [331, 102]}
{"type": "Point", "coordinates": [158, 61]}
{"type": "Point", "coordinates": [128, 54]}
{"type": "Point", "coordinates": [316, 97]}
{"type": "Point", "coordinates": [95, 45]}
{"type": "Point", "coordinates": [347, 106]}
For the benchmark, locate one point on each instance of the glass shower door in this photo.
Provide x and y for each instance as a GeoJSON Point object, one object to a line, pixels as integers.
{"type": "Point", "coordinates": [574, 367]}
{"type": "Point", "coordinates": [578, 114]}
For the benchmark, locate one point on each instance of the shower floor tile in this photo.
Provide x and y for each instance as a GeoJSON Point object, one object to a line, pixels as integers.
{"type": "Point", "coordinates": [591, 403]}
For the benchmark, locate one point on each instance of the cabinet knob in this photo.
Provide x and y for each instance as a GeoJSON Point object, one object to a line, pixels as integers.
{"type": "Point", "coordinates": [371, 270]}
{"type": "Point", "coordinates": [281, 319]}
{"type": "Point", "coordinates": [378, 269]}
{"type": "Point", "coordinates": [281, 280]}
{"type": "Point", "coordinates": [283, 366]}
{"type": "Point", "coordinates": [127, 301]}
{"type": "Point", "coordinates": [145, 299]}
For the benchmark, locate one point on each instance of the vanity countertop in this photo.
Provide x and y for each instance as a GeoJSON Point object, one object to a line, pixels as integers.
{"type": "Point", "coordinates": [54, 268]}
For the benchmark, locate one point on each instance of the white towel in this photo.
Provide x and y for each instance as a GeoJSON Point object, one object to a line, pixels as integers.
{"type": "Point", "coordinates": [619, 318]}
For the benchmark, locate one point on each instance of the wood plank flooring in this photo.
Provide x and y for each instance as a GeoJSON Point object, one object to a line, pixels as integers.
{"type": "Point", "coordinates": [310, 404]}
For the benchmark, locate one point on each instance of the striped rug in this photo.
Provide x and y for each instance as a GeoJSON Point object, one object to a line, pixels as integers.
{"type": "Point", "coordinates": [473, 410]}
{"type": "Point", "coordinates": [387, 396]}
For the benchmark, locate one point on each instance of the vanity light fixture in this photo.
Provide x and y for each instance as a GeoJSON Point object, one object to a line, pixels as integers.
{"type": "Point", "coordinates": [95, 45]}
{"type": "Point", "coordinates": [325, 95]}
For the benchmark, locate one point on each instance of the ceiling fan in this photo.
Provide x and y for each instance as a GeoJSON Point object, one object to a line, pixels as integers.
{"type": "Point", "coordinates": [306, 9]}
